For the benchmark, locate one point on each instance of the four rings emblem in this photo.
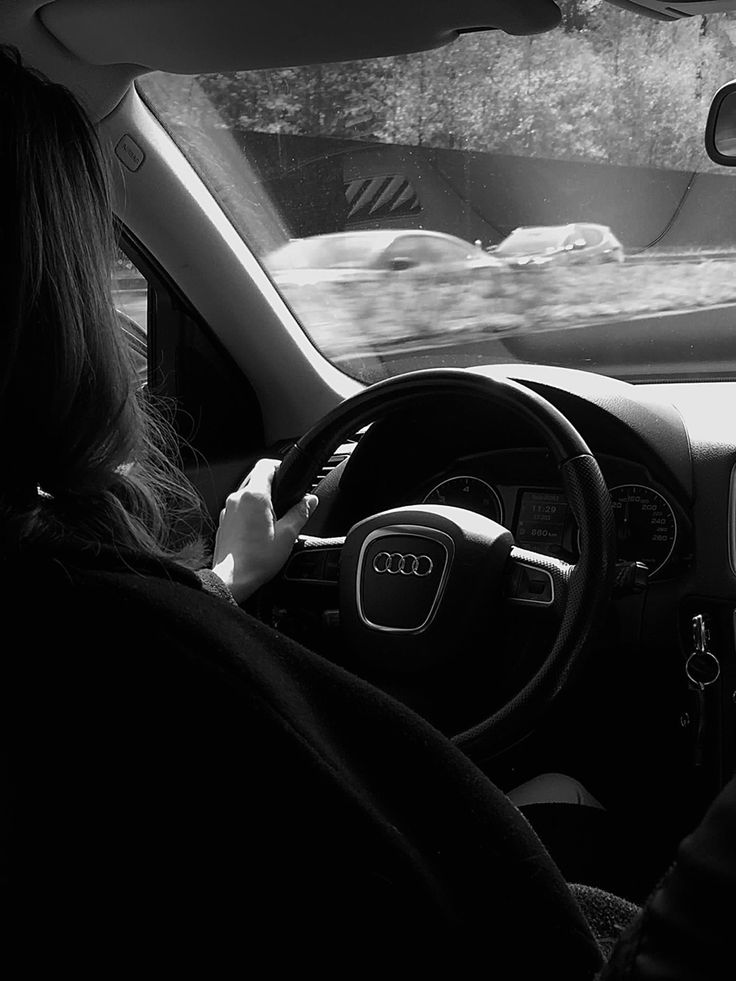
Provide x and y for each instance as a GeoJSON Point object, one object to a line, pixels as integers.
{"type": "Point", "coordinates": [394, 563]}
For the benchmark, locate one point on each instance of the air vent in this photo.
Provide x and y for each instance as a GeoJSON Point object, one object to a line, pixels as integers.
{"type": "Point", "coordinates": [334, 461]}
{"type": "Point", "coordinates": [341, 453]}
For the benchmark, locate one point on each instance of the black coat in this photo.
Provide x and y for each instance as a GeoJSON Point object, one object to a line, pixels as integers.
{"type": "Point", "coordinates": [685, 931]}
{"type": "Point", "coordinates": [185, 786]}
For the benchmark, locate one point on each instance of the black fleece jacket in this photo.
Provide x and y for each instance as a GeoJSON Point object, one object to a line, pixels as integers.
{"type": "Point", "coordinates": [186, 790]}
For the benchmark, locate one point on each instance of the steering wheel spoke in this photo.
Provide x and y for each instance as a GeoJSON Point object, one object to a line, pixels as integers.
{"type": "Point", "coordinates": [302, 601]}
{"type": "Point", "coordinates": [537, 581]}
{"type": "Point", "coordinates": [314, 560]}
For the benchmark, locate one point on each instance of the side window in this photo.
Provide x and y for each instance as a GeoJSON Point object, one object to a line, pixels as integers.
{"type": "Point", "coordinates": [130, 296]}
{"type": "Point", "coordinates": [593, 236]}
{"type": "Point", "coordinates": [411, 247]}
{"type": "Point", "coordinates": [445, 251]}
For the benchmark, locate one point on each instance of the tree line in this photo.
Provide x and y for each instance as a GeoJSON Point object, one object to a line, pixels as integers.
{"type": "Point", "coordinates": [606, 86]}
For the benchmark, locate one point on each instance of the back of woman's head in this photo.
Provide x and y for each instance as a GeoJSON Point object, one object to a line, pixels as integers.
{"type": "Point", "coordinates": [80, 460]}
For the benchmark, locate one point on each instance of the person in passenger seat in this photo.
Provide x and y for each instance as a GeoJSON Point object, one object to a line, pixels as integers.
{"type": "Point", "coordinates": [182, 785]}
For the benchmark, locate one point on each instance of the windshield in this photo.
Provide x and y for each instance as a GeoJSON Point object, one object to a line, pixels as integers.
{"type": "Point", "coordinates": [499, 142]}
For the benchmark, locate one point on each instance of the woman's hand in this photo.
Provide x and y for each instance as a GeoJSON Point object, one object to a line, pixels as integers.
{"type": "Point", "coordinates": [251, 545]}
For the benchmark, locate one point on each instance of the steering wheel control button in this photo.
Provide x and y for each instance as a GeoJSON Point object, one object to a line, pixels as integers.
{"type": "Point", "coordinates": [401, 576]}
{"type": "Point", "coordinates": [314, 565]}
{"type": "Point", "coordinates": [530, 584]}
{"type": "Point", "coordinates": [332, 564]}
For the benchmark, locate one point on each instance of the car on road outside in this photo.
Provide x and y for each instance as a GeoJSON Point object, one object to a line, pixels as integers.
{"type": "Point", "coordinates": [372, 253]}
{"type": "Point", "coordinates": [545, 245]}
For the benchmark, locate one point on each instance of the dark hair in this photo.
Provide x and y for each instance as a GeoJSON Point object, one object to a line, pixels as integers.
{"type": "Point", "coordinates": [85, 459]}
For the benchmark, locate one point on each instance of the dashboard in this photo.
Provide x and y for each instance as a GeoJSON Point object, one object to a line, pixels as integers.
{"type": "Point", "coordinates": [667, 454]}
{"type": "Point", "coordinates": [485, 460]}
{"type": "Point", "coordinates": [520, 490]}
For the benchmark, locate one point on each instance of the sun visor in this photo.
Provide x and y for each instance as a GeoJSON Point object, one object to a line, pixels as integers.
{"type": "Point", "coordinates": [190, 36]}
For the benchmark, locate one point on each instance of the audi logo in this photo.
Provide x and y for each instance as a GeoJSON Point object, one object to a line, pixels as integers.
{"type": "Point", "coordinates": [394, 563]}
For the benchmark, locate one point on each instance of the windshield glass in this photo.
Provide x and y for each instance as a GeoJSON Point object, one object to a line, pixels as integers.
{"type": "Point", "coordinates": [498, 141]}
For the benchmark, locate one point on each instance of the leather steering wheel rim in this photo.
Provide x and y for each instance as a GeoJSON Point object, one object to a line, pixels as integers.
{"type": "Point", "coordinates": [591, 577]}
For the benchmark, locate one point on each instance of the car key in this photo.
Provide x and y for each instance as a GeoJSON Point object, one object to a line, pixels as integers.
{"type": "Point", "coordinates": [702, 669]}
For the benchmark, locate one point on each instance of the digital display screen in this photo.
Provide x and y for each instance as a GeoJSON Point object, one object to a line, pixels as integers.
{"type": "Point", "coordinates": [541, 521]}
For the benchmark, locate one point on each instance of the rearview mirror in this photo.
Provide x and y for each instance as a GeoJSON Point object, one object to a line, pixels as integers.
{"type": "Point", "coordinates": [720, 129]}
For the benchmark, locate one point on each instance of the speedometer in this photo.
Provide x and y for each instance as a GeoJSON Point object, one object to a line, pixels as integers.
{"type": "Point", "coordinates": [467, 492]}
{"type": "Point", "coordinates": [646, 527]}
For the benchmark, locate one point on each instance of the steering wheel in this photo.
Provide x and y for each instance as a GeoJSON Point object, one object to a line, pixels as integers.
{"type": "Point", "coordinates": [412, 579]}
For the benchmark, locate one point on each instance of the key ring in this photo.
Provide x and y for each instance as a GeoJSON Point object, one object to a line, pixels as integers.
{"type": "Point", "coordinates": [697, 682]}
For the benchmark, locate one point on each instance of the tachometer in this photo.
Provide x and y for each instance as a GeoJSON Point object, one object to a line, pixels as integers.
{"type": "Point", "coordinates": [646, 527]}
{"type": "Point", "coordinates": [471, 493]}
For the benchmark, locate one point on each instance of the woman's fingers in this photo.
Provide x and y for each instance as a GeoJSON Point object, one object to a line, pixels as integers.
{"type": "Point", "coordinates": [260, 478]}
{"type": "Point", "coordinates": [288, 527]}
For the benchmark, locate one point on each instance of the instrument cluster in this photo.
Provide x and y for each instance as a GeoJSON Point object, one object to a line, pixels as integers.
{"type": "Point", "coordinates": [540, 517]}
